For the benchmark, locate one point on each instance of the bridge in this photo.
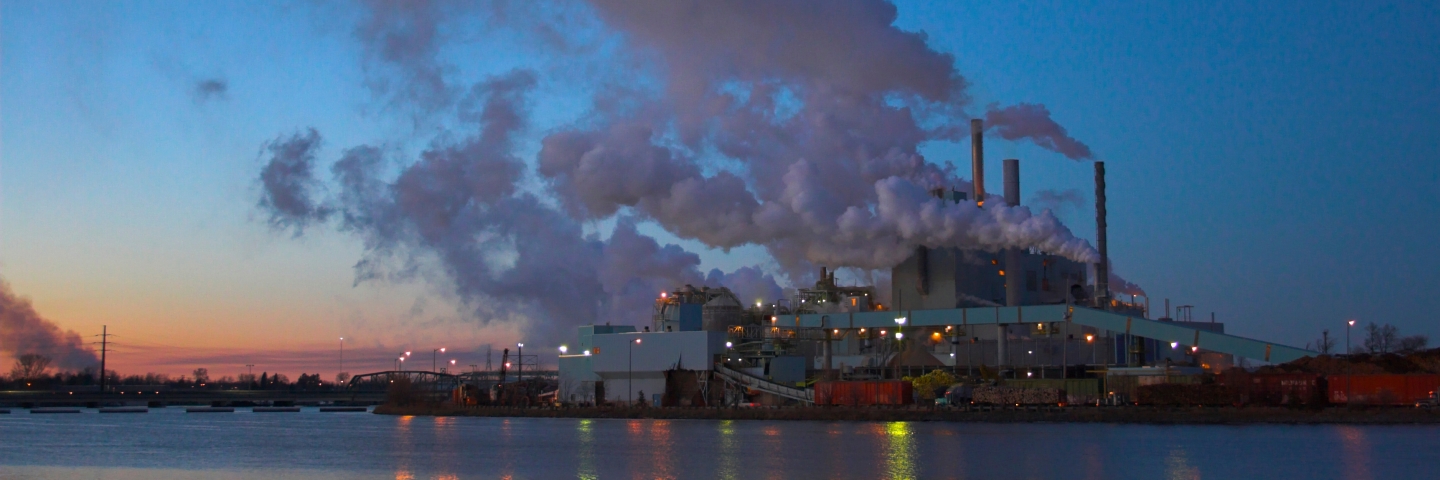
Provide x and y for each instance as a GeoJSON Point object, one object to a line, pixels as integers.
{"type": "Point", "coordinates": [131, 396]}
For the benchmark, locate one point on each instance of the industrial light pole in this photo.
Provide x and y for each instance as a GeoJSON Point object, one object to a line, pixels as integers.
{"type": "Point", "coordinates": [342, 354]}
{"type": "Point", "coordinates": [1348, 378]}
{"type": "Point", "coordinates": [250, 369]}
{"type": "Point", "coordinates": [519, 362]}
{"type": "Point", "coordinates": [433, 354]}
{"type": "Point", "coordinates": [630, 379]}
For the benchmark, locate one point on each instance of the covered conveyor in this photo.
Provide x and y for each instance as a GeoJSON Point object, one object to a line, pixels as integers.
{"type": "Point", "coordinates": [1113, 322]}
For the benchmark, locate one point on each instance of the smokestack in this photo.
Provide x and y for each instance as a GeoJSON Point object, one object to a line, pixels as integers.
{"type": "Point", "coordinates": [1011, 174]}
{"type": "Point", "coordinates": [977, 159]}
{"type": "Point", "coordinates": [1102, 270]}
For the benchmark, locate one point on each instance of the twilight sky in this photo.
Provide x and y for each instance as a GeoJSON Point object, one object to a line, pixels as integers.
{"type": "Point", "coordinates": [1273, 163]}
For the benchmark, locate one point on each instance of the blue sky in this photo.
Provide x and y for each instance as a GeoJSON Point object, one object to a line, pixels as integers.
{"type": "Point", "coordinates": [1272, 162]}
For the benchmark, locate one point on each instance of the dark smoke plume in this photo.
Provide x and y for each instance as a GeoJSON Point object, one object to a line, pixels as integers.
{"type": "Point", "coordinates": [288, 182]}
{"type": "Point", "coordinates": [23, 330]}
{"type": "Point", "coordinates": [1032, 121]}
{"type": "Point", "coordinates": [211, 89]}
{"type": "Point", "coordinates": [776, 124]}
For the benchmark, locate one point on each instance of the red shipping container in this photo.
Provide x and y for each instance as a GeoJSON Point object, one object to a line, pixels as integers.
{"type": "Point", "coordinates": [1273, 388]}
{"type": "Point", "coordinates": [864, 393]}
{"type": "Point", "coordinates": [1385, 389]}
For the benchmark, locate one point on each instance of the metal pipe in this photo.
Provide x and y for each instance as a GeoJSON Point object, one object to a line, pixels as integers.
{"type": "Point", "coordinates": [977, 159]}
{"type": "Point", "coordinates": [1013, 294]}
{"type": "Point", "coordinates": [1102, 269]}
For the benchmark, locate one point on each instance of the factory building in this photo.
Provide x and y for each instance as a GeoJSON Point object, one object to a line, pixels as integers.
{"type": "Point", "coordinates": [1015, 313]}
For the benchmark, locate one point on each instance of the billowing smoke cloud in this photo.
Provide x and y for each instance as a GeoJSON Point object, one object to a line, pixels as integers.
{"type": "Point", "coordinates": [822, 110]}
{"type": "Point", "coordinates": [23, 330]}
{"type": "Point", "coordinates": [1058, 199]}
{"type": "Point", "coordinates": [404, 37]}
{"type": "Point", "coordinates": [748, 283]}
{"type": "Point", "coordinates": [288, 182]}
{"type": "Point", "coordinates": [1121, 285]}
{"type": "Point", "coordinates": [1032, 121]}
{"type": "Point", "coordinates": [777, 124]}
{"type": "Point", "coordinates": [211, 89]}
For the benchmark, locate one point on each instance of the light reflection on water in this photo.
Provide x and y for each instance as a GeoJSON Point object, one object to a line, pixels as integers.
{"type": "Point", "coordinates": [729, 468]}
{"type": "Point", "coordinates": [899, 450]}
{"type": "Point", "coordinates": [167, 444]}
{"type": "Point", "coordinates": [585, 434]}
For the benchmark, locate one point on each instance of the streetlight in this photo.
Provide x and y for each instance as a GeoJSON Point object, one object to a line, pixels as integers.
{"type": "Point", "coordinates": [563, 349]}
{"type": "Point", "coordinates": [342, 354]}
{"type": "Point", "coordinates": [630, 381]}
{"type": "Point", "coordinates": [520, 361]}
{"type": "Point", "coordinates": [250, 369]}
{"type": "Point", "coordinates": [452, 363]}
{"type": "Point", "coordinates": [1090, 339]}
{"type": "Point", "coordinates": [433, 354]}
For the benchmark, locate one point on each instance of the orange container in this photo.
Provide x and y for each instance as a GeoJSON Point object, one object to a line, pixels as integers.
{"type": "Point", "coordinates": [890, 392]}
{"type": "Point", "coordinates": [1382, 389]}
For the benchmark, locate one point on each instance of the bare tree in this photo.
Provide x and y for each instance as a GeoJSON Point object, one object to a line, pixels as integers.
{"type": "Point", "coordinates": [29, 367]}
{"type": "Point", "coordinates": [1381, 338]}
{"type": "Point", "coordinates": [202, 375]}
{"type": "Point", "coordinates": [1414, 343]}
{"type": "Point", "coordinates": [342, 377]}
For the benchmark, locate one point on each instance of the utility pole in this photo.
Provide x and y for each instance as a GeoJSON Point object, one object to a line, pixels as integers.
{"type": "Point", "coordinates": [250, 370]}
{"type": "Point", "coordinates": [104, 344]}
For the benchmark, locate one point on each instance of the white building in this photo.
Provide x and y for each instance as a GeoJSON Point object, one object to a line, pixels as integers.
{"type": "Point", "coordinates": [626, 363]}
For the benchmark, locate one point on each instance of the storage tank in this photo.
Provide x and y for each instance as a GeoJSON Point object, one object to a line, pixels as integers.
{"type": "Point", "coordinates": [721, 312]}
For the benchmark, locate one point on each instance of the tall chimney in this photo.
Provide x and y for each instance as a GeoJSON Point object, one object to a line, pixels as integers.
{"type": "Point", "coordinates": [977, 159]}
{"type": "Point", "coordinates": [1102, 270]}
{"type": "Point", "coordinates": [1011, 172]}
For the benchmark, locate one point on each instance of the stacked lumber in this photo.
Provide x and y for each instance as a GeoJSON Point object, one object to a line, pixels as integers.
{"type": "Point", "coordinates": [1020, 396]}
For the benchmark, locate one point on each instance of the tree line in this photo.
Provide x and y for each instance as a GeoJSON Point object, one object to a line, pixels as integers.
{"type": "Point", "coordinates": [1378, 339]}
{"type": "Point", "coordinates": [32, 371]}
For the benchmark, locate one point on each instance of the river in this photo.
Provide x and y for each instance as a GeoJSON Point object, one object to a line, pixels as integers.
{"type": "Point", "coordinates": [169, 443]}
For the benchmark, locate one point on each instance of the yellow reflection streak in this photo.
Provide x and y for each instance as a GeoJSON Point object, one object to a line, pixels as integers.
{"type": "Point", "coordinates": [899, 450]}
{"type": "Point", "coordinates": [729, 463]}
{"type": "Point", "coordinates": [585, 433]}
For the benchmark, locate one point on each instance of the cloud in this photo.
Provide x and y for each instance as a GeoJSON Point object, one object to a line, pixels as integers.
{"type": "Point", "coordinates": [288, 184]}
{"type": "Point", "coordinates": [23, 330]}
{"type": "Point", "coordinates": [211, 89]}
{"type": "Point", "coordinates": [775, 124]}
{"type": "Point", "coordinates": [1058, 199]}
{"type": "Point", "coordinates": [1032, 121]}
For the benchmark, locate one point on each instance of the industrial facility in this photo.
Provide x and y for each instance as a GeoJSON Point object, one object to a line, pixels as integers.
{"type": "Point", "coordinates": [1012, 315]}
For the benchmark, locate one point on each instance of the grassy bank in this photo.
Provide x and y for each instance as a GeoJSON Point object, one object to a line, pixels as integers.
{"type": "Point", "coordinates": [1146, 415]}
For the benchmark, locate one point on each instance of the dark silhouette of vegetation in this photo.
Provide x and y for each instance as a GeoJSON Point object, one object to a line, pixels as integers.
{"type": "Point", "coordinates": [29, 367]}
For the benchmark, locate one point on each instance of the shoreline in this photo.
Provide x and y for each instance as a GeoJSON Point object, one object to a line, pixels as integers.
{"type": "Point", "coordinates": [1123, 415]}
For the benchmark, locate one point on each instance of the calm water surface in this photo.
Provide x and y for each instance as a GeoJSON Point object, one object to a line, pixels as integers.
{"type": "Point", "coordinates": [169, 443]}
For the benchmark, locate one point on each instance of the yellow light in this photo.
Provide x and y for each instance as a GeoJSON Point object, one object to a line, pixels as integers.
{"type": "Point", "coordinates": [1002, 273]}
